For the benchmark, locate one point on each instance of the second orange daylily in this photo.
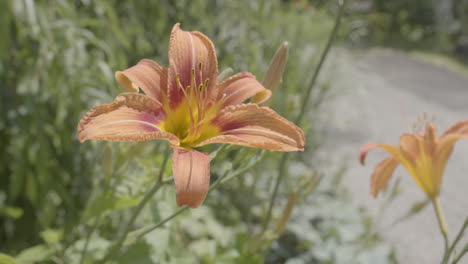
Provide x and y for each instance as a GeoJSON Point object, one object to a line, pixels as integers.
{"type": "Point", "coordinates": [185, 105]}
{"type": "Point", "coordinates": [424, 155]}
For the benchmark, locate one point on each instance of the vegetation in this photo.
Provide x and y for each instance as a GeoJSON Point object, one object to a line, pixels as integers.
{"type": "Point", "coordinates": [437, 26]}
{"type": "Point", "coordinates": [114, 202]}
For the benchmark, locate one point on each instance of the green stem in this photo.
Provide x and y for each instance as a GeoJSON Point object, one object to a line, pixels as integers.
{"type": "Point", "coordinates": [279, 177]}
{"type": "Point", "coordinates": [107, 186]}
{"type": "Point", "coordinates": [462, 253]}
{"type": "Point", "coordinates": [138, 210]}
{"type": "Point", "coordinates": [282, 164]}
{"type": "Point", "coordinates": [231, 176]}
{"type": "Point", "coordinates": [88, 238]}
{"type": "Point", "coordinates": [443, 228]}
{"type": "Point", "coordinates": [321, 61]}
{"type": "Point", "coordinates": [221, 180]}
{"type": "Point", "coordinates": [162, 222]}
{"type": "Point", "coordinates": [458, 237]}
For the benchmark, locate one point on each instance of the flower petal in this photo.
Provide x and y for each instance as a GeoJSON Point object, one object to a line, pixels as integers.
{"type": "Point", "coordinates": [420, 161]}
{"type": "Point", "coordinates": [446, 144]}
{"type": "Point", "coordinates": [148, 76]}
{"type": "Point", "coordinates": [255, 126]}
{"type": "Point", "coordinates": [459, 128]}
{"type": "Point", "coordinates": [442, 154]}
{"type": "Point", "coordinates": [393, 150]}
{"type": "Point", "coordinates": [191, 175]}
{"type": "Point", "coordinates": [364, 150]}
{"type": "Point", "coordinates": [382, 174]}
{"type": "Point", "coordinates": [384, 170]}
{"type": "Point", "coordinates": [187, 51]}
{"type": "Point", "coordinates": [410, 146]}
{"type": "Point", "coordinates": [431, 138]}
{"type": "Point", "coordinates": [131, 117]}
{"type": "Point", "coordinates": [240, 87]}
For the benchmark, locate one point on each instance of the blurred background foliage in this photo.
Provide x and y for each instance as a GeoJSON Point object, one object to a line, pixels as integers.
{"type": "Point", "coordinates": [431, 25]}
{"type": "Point", "coordinates": [57, 59]}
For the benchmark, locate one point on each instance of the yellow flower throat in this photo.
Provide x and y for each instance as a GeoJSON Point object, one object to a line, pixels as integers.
{"type": "Point", "coordinates": [190, 120]}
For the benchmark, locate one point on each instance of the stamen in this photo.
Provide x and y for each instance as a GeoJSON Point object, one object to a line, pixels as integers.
{"type": "Point", "coordinates": [200, 69]}
{"type": "Point", "coordinates": [221, 102]}
{"type": "Point", "coordinates": [201, 102]}
{"type": "Point", "coordinates": [205, 84]}
{"type": "Point", "coordinates": [215, 108]}
{"type": "Point", "coordinates": [422, 123]}
{"type": "Point", "coordinates": [193, 81]}
{"type": "Point", "coordinates": [203, 109]}
{"type": "Point", "coordinates": [179, 84]}
{"type": "Point", "coordinates": [200, 73]}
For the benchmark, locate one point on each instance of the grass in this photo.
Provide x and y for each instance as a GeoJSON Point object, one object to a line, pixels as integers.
{"type": "Point", "coordinates": [441, 60]}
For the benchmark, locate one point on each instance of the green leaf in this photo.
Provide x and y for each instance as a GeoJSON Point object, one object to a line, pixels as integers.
{"type": "Point", "coordinates": [5, 259]}
{"type": "Point", "coordinates": [125, 202]}
{"type": "Point", "coordinates": [418, 207]}
{"type": "Point", "coordinates": [204, 248]}
{"type": "Point", "coordinates": [5, 20]}
{"type": "Point", "coordinates": [97, 248]}
{"type": "Point", "coordinates": [241, 241]}
{"type": "Point", "coordinates": [158, 240]}
{"type": "Point", "coordinates": [108, 202]}
{"type": "Point", "coordinates": [415, 208]}
{"type": "Point", "coordinates": [52, 236]}
{"type": "Point", "coordinates": [251, 258]}
{"type": "Point", "coordinates": [12, 212]}
{"type": "Point", "coordinates": [35, 254]}
{"type": "Point", "coordinates": [138, 253]}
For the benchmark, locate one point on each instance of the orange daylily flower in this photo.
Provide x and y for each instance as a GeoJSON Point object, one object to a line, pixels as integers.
{"type": "Point", "coordinates": [185, 105]}
{"type": "Point", "coordinates": [424, 155]}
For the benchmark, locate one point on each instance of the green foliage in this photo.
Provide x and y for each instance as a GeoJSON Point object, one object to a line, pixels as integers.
{"type": "Point", "coordinates": [440, 26]}
{"type": "Point", "coordinates": [5, 259]}
{"type": "Point", "coordinates": [34, 254]}
{"type": "Point", "coordinates": [58, 197]}
{"type": "Point", "coordinates": [333, 232]}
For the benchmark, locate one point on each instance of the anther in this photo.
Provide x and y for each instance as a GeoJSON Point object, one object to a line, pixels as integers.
{"type": "Point", "coordinates": [179, 84]}
{"type": "Point", "coordinates": [200, 69]}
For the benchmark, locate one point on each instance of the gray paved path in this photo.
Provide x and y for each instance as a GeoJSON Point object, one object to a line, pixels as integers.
{"type": "Point", "coordinates": [381, 94]}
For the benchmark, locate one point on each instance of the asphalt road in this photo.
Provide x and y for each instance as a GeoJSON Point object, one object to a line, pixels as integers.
{"type": "Point", "coordinates": [380, 95]}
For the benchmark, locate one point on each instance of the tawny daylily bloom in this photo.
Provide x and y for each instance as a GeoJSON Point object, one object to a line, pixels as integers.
{"type": "Point", "coordinates": [424, 155]}
{"type": "Point", "coordinates": [185, 105]}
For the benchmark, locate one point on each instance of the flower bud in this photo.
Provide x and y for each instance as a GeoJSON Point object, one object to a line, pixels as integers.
{"type": "Point", "coordinates": [274, 74]}
{"type": "Point", "coordinates": [226, 73]}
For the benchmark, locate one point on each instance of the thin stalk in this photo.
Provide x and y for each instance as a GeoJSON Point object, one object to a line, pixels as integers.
{"type": "Point", "coordinates": [238, 172]}
{"type": "Point", "coordinates": [325, 52]}
{"type": "Point", "coordinates": [88, 238]}
{"type": "Point", "coordinates": [162, 222]}
{"type": "Point", "coordinates": [462, 253]}
{"type": "Point", "coordinates": [443, 228]}
{"type": "Point", "coordinates": [284, 158]}
{"type": "Point", "coordinates": [154, 189]}
{"type": "Point", "coordinates": [250, 198]}
{"type": "Point", "coordinates": [95, 225]}
{"type": "Point", "coordinates": [221, 180]}
{"type": "Point", "coordinates": [458, 237]}
{"type": "Point", "coordinates": [279, 177]}
{"type": "Point", "coordinates": [176, 213]}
